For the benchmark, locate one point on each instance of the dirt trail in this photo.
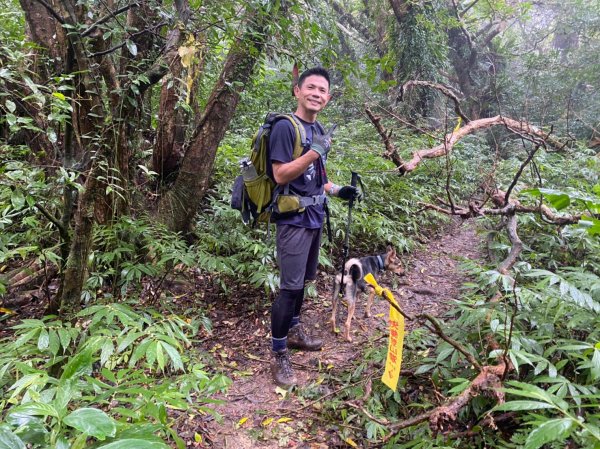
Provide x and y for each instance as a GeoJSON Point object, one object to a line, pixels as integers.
{"type": "Point", "coordinates": [241, 345]}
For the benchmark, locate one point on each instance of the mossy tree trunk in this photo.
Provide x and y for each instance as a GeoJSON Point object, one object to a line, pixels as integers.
{"type": "Point", "coordinates": [179, 206]}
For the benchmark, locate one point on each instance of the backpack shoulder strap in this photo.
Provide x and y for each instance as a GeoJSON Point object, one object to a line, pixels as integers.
{"type": "Point", "coordinates": [320, 127]}
{"type": "Point", "coordinates": [300, 141]}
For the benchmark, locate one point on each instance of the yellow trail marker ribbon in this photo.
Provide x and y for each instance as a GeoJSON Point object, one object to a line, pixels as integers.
{"type": "Point", "coordinates": [394, 355]}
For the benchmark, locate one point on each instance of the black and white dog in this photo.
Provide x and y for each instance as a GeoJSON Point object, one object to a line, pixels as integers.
{"type": "Point", "coordinates": [354, 272]}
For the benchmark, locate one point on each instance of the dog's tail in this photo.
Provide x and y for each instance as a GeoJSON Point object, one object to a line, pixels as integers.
{"type": "Point", "coordinates": [355, 271]}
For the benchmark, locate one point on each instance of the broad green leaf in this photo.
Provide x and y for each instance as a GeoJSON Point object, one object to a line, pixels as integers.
{"type": "Point", "coordinates": [107, 350]}
{"type": "Point", "coordinates": [559, 202]}
{"type": "Point", "coordinates": [523, 405]}
{"type": "Point", "coordinates": [555, 429]}
{"type": "Point", "coordinates": [36, 409]}
{"type": "Point", "coordinates": [53, 342]}
{"type": "Point", "coordinates": [595, 369]}
{"type": "Point", "coordinates": [139, 352]}
{"type": "Point", "coordinates": [43, 340]}
{"type": "Point", "coordinates": [10, 106]}
{"type": "Point", "coordinates": [26, 337]}
{"type": "Point", "coordinates": [65, 338]}
{"type": "Point", "coordinates": [174, 356]}
{"type": "Point", "coordinates": [133, 443]}
{"type": "Point", "coordinates": [17, 199]}
{"type": "Point", "coordinates": [9, 440]}
{"type": "Point", "coordinates": [151, 353]}
{"type": "Point", "coordinates": [27, 380]}
{"type": "Point", "coordinates": [78, 365]}
{"type": "Point", "coordinates": [591, 225]}
{"type": "Point", "coordinates": [93, 422]}
{"type": "Point", "coordinates": [126, 342]}
{"type": "Point", "coordinates": [64, 394]}
{"type": "Point", "coordinates": [131, 47]}
{"type": "Point", "coordinates": [160, 355]}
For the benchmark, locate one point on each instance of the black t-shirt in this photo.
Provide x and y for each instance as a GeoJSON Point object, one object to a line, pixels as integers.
{"type": "Point", "coordinates": [310, 183]}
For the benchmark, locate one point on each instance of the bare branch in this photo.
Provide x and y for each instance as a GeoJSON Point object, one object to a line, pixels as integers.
{"type": "Point", "coordinates": [107, 17]}
{"type": "Point", "coordinates": [447, 91]}
{"type": "Point", "coordinates": [515, 249]}
{"type": "Point", "coordinates": [518, 174]}
{"type": "Point", "coordinates": [52, 12]}
{"type": "Point", "coordinates": [474, 210]}
{"type": "Point", "coordinates": [401, 9]}
{"type": "Point", "coordinates": [456, 345]}
{"type": "Point", "coordinates": [391, 152]}
{"type": "Point", "coordinates": [61, 229]}
{"type": "Point", "coordinates": [514, 126]}
{"type": "Point", "coordinates": [122, 44]}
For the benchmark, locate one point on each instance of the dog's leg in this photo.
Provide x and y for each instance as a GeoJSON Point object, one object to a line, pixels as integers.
{"type": "Point", "coordinates": [334, 303]}
{"type": "Point", "coordinates": [351, 299]}
{"type": "Point", "coordinates": [351, 307]}
{"type": "Point", "coordinates": [370, 302]}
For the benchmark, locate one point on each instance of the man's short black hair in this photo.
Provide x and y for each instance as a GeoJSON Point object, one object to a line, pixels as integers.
{"type": "Point", "coordinates": [320, 71]}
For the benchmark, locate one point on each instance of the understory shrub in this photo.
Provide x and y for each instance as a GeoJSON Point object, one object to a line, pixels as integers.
{"type": "Point", "coordinates": [107, 381]}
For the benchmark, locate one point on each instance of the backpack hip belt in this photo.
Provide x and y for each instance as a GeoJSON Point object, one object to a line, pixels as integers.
{"type": "Point", "coordinates": [315, 200]}
{"type": "Point", "coordinates": [288, 202]}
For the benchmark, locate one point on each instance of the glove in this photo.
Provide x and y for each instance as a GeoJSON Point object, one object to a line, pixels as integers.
{"type": "Point", "coordinates": [322, 143]}
{"type": "Point", "coordinates": [349, 192]}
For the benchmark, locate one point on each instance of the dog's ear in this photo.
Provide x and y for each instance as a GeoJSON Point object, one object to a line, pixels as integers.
{"type": "Point", "coordinates": [391, 251]}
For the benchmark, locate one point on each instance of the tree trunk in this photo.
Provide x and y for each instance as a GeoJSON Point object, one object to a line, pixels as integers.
{"type": "Point", "coordinates": [170, 133]}
{"type": "Point", "coordinates": [47, 32]}
{"type": "Point", "coordinates": [179, 206]}
{"type": "Point", "coordinates": [76, 268]}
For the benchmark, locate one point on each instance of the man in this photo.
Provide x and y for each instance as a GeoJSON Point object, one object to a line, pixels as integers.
{"type": "Point", "coordinates": [299, 234]}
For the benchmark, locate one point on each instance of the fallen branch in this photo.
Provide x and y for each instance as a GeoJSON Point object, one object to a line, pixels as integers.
{"type": "Point", "coordinates": [437, 329]}
{"type": "Point", "coordinates": [516, 247]}
{"type": "Point", "coordinates": [473, 211]}
{"type": "Point", "coordinates": [488, 381]}
{"type": "Point", "coordinates": [391, 152]}
{"type": "Point", "coordinates": [515, 126]}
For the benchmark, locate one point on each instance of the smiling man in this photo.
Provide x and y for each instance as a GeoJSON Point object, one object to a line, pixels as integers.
{"type": "Point", "coordinates": [299, 233]}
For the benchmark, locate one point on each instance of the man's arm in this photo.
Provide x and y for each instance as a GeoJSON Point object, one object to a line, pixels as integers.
{"type": "Point", "coordinates": [285, 172]}
{"type": "Point", "coordinates": [332, 189]}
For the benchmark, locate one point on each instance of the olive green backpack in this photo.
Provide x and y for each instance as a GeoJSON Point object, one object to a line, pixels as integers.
{"type": "Point", "coordinates": [253, 190]}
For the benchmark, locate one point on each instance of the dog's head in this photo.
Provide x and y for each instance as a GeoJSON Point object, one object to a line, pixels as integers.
{"type": "Point", "coordinates": [392, 262]}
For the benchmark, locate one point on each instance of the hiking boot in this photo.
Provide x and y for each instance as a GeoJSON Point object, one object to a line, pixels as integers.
{"type": "Point", "coordinates": [281, 369]}
{"type": "Point", "coordinates": [298, 339]}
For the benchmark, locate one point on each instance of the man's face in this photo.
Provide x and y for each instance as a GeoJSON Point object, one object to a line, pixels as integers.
{"type": "Point", "coordinates": [313, 95]}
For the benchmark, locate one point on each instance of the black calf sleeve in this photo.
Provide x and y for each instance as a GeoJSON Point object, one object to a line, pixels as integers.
{"type": "Point", "coordinates": [299, 300]}
{"type": "Point", "coordinates": [282, 312]}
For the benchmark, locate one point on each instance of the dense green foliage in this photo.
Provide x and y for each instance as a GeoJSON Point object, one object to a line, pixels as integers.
{"type": "Point", "coordinates": [101, 383]}
{"type": "Point", "coordinates": [116, 374]}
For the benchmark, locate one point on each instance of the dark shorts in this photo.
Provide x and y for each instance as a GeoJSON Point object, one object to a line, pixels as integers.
{"type": "Point", "coordinates": [297, 255]}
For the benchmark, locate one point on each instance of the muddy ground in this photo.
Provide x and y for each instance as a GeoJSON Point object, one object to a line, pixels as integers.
{"type": "Point", "coordinates": [255, 413]}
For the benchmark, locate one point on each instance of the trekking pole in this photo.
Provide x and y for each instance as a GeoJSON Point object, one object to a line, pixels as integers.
{"type": "Point", "coordinates": [346, 247]}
